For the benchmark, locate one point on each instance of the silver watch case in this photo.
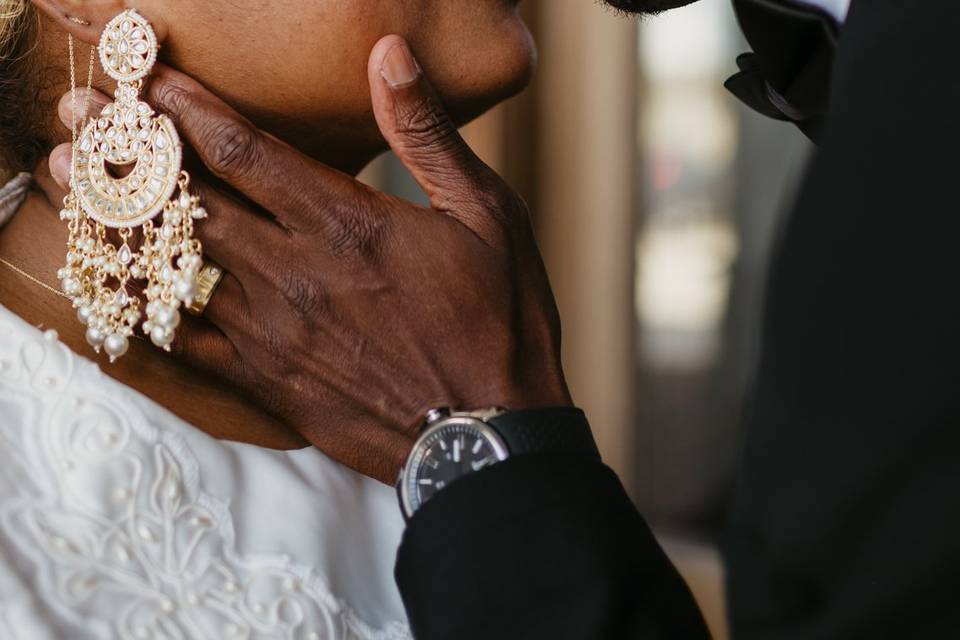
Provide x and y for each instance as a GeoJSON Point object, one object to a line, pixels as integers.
{"type": "Point", "coordinates": [407, 482]}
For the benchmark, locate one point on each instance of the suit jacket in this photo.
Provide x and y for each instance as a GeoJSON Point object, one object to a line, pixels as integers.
{"type": "Point", "coordinates": [845, 522]}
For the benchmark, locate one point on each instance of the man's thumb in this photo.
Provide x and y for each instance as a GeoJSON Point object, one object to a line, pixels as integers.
{"type": "Point", "coordinates": [417, 126]}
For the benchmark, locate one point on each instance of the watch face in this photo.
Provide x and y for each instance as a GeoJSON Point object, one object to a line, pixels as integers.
{"type": "Point", "coordinates": [447, 451]}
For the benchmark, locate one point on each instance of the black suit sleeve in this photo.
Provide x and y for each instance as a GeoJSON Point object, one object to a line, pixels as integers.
{"type": "Point", "coordinates": [540, 546]}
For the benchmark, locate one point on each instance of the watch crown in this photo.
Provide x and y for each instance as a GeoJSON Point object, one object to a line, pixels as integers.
{"type": "Point", "coordinates": [437, 414]}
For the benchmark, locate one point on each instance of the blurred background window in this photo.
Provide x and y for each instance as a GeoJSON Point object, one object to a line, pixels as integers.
{"type": "Point", "coordinates": [716, 177]}
{"type": "Point", "coordinates": [656, 198]}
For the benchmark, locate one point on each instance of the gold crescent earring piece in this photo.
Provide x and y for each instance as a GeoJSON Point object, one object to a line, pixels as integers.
{"type": "Point", "coordinates": [126, 173]}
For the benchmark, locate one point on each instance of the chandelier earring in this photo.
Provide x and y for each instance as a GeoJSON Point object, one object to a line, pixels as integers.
{"type": "Point", "coordinates": [129, 211]}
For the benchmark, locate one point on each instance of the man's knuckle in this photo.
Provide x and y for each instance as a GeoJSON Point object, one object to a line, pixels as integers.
{"type": "Point", "coordinates": [303, 294]}
{"type": "Point", "coordinates": [233, 148]}
{"type": "Point", "coordinates": [493, 209]}
{"type": "Point", "coordinates": [351, 227]}
{"type": "Point", "coordinates": [273, 342]}
{"type": "Point", "coordinates": [216, 230]}
{"type": "Point", "coordinates": [425, 125]}
{"type": "Point", "coordinates": [493, 200]}
{"type": "Point", "coordinates": [172, 97]}
{"type": "Point", "coordinates": [357, 234]}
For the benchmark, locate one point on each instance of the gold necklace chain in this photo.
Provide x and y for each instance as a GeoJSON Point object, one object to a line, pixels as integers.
{"type": "Point", "coordinates": [29, 277]}
{"type": "Point", "coordinates": [73, 91]}
{"type": "Point", "coordinates": [43, 284]}
{"type": "Point", "coordinates": [73, 144]}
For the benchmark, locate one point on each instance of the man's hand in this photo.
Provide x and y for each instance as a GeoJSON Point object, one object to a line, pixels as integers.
{"type": "Point", "coordinates": [349, 313]}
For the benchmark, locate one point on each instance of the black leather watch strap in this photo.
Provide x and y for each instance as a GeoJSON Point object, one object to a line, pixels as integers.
{"type": "Point", "coordinates": [559, 430]}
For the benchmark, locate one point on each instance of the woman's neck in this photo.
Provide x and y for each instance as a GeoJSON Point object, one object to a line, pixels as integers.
{"type": "Point", "coordinates": [35, 240]}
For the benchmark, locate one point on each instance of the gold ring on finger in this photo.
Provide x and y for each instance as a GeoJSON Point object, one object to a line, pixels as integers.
{"type": "Point", "coordinates": [207, 281]}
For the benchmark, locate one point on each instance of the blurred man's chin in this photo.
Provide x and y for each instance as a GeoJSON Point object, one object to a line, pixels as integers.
{"type": "Point", "coordinates": [647, 6]}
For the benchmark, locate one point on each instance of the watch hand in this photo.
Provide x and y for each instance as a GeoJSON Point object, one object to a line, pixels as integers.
{"type": "Point", "coordinates": [480, 464]}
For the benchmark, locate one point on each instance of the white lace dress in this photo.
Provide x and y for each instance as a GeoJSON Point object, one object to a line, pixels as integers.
{"type": "Point", "coordinates": [119, 520]}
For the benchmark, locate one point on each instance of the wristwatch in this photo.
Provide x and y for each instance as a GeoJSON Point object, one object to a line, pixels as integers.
{"type": "Point", "coordinates": [456, 444]}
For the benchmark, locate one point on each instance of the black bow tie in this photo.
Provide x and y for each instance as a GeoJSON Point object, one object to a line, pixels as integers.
{"type": "Point", "coordinates": [787, 76]}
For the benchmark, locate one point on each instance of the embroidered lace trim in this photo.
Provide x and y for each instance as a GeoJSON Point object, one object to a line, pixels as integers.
{"type": "Point", "coordinates": [111, 510]}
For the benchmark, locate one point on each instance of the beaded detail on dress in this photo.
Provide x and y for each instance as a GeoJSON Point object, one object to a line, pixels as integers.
{"type": "Point", "coordinates": [111, 511]}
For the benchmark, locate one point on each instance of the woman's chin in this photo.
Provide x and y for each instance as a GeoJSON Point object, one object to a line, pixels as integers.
{"type": "Point", "coordinates": [506, 70]}
{"type": "Point", "coordinates": [471, 71]}
{"type": "Point", "coordinates": [521, 65]}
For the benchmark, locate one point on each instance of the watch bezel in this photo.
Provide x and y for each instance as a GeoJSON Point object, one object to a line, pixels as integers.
{"type": "Point", "coordinates": [408, 501]}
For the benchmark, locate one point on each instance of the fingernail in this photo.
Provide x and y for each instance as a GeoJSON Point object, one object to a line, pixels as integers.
{"type": "Point", "coordinates": [60, 165]}
{"type": "Point", "coordinates": [67, 102]}
{"type": "Point", "coordinates": [399, 68]}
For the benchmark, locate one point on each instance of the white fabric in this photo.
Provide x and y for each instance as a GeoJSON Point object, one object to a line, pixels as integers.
{"type": "Point", "coordinates": [12, 196]}
{"type": "Point", "coordinates": [836, 8]}
{"type": "Point", "coordinates": [119, 520]}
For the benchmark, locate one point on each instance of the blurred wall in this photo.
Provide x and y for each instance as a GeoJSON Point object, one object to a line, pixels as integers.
{"type": "Point", "coordinates": [586, 197]}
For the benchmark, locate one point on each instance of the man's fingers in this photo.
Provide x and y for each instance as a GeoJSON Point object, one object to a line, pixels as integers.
{"type": "Point", "coordinates": [421, 133]}
{"type": "Point", "coordinates": [77, 107]}
{"type": "Point", "coordinates": [234, 150]}
{"type": "Point", "coordinates": [205, 347]}
{"type": "Point", "coordinates": [59, 161]}
{"type": "Point", "coordinates": [228, 308]}
{"type": "Point", "coordinates": [228, 233]}
{"type": "Point", "coordinates": [302, 194]}
{"type": "Point", "coordinates": [234, 236]}
{"type": "Point", "coordinates": [73, 109]}
{"type": "Point", "coordinates": [227, 143]}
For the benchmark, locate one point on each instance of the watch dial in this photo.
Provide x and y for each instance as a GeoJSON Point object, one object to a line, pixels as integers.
{"type": "Point", "coordinates": [450, 453]}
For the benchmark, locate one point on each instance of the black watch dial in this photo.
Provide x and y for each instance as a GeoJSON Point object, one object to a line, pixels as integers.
{"type": "Point", "coordinates": [454, 448]}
